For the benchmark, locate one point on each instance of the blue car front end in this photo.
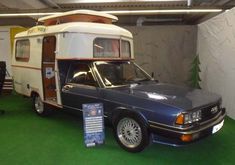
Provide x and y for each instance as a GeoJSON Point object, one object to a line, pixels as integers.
{"type": "Point", "coordinates": [175, 115]}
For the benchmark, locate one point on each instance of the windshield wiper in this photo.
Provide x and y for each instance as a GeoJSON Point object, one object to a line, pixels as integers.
{"type": "Point", "coordinates": [144, 79]}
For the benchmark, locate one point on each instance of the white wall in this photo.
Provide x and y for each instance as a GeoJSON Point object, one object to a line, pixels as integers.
{"type": "Point", "coordinates": [216, 48]}
{"type": "Point", "coordinates": [5, 47]}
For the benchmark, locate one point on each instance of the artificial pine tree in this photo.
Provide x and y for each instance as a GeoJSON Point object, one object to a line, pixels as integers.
{"type": "Point", "coordinates": [195, 77]}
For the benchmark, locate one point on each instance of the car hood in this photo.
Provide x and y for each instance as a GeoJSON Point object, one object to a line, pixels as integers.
{"type": "Point", "coordinates": [177, 96]}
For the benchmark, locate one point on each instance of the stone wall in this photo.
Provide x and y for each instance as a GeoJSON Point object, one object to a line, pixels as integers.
{"type": "Point", "coordinates": [167, 51]}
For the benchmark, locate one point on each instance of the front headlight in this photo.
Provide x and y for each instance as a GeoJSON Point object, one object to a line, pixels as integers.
{"type": "Point", "coordinates": [188, 118]}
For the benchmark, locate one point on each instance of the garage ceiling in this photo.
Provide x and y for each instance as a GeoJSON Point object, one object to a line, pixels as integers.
{"type": "Point", "coordinates": [38, 6]}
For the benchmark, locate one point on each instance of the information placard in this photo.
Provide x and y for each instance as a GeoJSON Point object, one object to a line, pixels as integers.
{"type": "Point", "coordinates": [93, 121]}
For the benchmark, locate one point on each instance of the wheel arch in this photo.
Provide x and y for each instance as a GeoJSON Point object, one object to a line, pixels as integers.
{"type": "Point", "coordinates": [117, 112]}
{"type": "Point", "coordinates": [35, 93]}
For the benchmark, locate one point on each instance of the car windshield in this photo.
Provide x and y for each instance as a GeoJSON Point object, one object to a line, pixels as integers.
{"type": "Point", "coordinates": [121, 73]}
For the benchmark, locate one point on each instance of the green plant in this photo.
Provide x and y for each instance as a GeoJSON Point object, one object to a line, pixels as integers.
{"type": "Point", "coordinates": [195, 71]}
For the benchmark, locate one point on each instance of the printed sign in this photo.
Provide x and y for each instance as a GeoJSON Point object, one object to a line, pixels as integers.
{"type": "Point", "coordinates": [49, 72]}
{"type": "Point", "coordinates": [37, 29]}
{"type": "Point", "coordinates": [93, 121]}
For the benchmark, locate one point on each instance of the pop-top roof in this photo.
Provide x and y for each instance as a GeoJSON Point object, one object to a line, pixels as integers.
{"type": "Point", "coordinates": [77, 27]}
{"type": "Point", "coordinates": [79, 16]}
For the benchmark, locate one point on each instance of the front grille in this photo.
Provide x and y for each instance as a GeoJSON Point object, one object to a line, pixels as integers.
{"type": "Point", "coordinates": [207, 112]}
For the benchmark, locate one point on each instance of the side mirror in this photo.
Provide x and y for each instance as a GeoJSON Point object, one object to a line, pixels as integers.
{"type": "Point", "coordinates": [152, 74]}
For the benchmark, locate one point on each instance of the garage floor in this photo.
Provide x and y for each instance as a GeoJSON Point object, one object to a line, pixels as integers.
{"type": "Point", "coordinates": [26, 138]}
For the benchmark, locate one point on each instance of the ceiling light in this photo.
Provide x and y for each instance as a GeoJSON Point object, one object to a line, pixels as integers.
{"type": "Point", "coordinates": [163, 11]}
{"type": "Point", "coordinates": [125, 12]}
{"type": "Point", "coordinates": [26, 14]}
{"type": "Point", "coordinates": [105, 1]}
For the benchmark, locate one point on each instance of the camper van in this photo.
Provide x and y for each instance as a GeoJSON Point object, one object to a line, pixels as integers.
{"type": "Point", "coordinates": [80, 57]}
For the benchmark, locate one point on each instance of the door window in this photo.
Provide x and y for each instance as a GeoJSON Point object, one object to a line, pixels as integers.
{"type": "Point", "coordinates": [80, 74]}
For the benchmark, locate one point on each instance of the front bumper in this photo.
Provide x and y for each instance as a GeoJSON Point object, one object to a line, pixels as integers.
{"type": "Point", "coordinates": [174, 135]}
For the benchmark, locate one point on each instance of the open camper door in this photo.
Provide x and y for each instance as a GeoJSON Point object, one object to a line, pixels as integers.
{"type": "Point", "coordinates": [48, 68]}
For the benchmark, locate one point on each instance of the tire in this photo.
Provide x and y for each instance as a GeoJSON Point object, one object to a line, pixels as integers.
{"type": "Point", "coordinates": [131, 132]}
{"type": "Point", "coordinates": [40, 108]}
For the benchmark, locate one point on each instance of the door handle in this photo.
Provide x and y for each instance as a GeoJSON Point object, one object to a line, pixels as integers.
{"type": "Point", "coordinates": [67, 87]}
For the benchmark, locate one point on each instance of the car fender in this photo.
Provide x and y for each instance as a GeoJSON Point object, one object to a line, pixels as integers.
{"type": "Point", "coordinates": [123, 110]}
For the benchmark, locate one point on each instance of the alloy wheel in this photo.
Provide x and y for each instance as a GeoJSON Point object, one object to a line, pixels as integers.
{"type": "Point", "coordinates": [129, 132]}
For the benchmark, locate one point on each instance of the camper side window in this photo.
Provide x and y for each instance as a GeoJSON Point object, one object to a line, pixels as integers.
{"type": "Point", "coordinates": [111, 48]}
{"type": "Point", "coordinates": [80, 74]}
{"type": "Point", "coordinates": [22, 50]}
{"type": "Point", "coordinates": [105, 47]}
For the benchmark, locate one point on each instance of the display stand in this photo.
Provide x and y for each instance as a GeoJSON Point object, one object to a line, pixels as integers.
{"type": "Point", "coordinates": [93, 124]}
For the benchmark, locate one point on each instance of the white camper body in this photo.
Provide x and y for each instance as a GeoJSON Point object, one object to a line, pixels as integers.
{"type": "Point", "coordinates": [38, 50]}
